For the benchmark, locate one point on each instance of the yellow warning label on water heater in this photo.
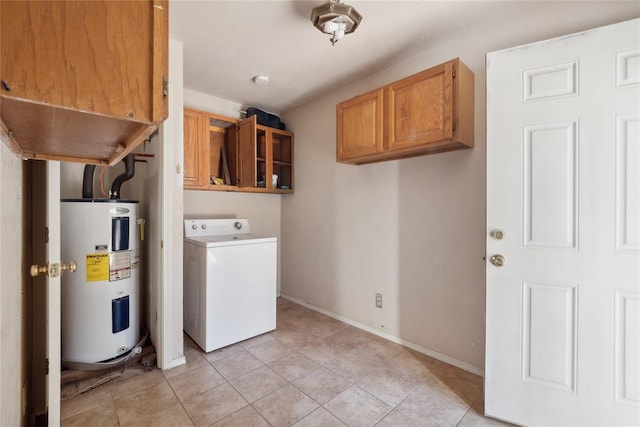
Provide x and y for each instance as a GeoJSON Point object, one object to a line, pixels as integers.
{"type": "Point", "coordinates": [97, 267]}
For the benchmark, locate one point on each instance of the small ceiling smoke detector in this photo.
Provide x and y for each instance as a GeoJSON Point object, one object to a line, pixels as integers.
{"type": "Point", "coordinates": [261, 80]}
{"type": "Point", "coordinates": [335, 18]}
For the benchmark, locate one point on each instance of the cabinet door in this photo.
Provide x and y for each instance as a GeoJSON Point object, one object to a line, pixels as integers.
{"type": "Point", "coordinates": [247, 145]}
{"type": "Point", "coordinates": [97, 56]}
{"type": "Point", "coordinates": [282, 155]}
{"type": "Point", "coordinates": [359, 126]}
{"type": "Point", "coordinates": [420, 109]}
{"type": "Point", "coordinates": [195, 157]}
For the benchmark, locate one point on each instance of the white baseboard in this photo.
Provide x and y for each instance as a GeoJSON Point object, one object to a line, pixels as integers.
{"type": "Point", "coordinates": [413, 346]}
{"type": "Point", "coordinates": [176, 362]}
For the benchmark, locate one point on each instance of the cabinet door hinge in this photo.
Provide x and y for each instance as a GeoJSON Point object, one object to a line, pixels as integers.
{"type": "Point", "coordinates": [453, 126]}
{"type": "Point", "coordinates": [165, 86]}
{"type": "Point", "coordinates": [453, 73]}
{"type": "Point", "coordinates": [46, 366]}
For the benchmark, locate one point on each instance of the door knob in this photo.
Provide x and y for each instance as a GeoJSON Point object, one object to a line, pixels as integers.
{"type": "Point", "coordinates": [37, 269]}
{"type": "Point", "coordinates": [497, 260]}
{"type": "Point", "coordinates": [53, 270]}
{"type": "Point", "coordinates": [71, 267]}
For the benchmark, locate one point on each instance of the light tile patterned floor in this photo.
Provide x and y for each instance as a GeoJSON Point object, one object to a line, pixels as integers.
{"type": "Point", "coordinates": [311, 371]}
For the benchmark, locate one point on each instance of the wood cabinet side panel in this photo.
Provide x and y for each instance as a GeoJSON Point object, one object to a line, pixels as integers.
{"type": "Point", "coordinates": [160, 73]}
{"type": "Point", "coordinates": [293, 163]}
{"type": "Point", "coordinates": [464, 107]}
{"type": "Point", "coordinates": [91, 56]}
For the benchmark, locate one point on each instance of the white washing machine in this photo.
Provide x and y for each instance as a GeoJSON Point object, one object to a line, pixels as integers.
{"type": "Point", "coordinates": [229, 282]}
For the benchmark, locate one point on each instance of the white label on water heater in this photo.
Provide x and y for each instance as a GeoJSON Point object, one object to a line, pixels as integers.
{"type": "Point", "coordinates": [119, 265]}
{"type": "Point", "coordinates": [135, 258]}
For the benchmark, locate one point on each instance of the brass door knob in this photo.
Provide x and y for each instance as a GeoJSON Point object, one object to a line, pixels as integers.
{"type": "Point", "coordinates": [53, 270]}
{"type": "Point", "coordinates": [71, 267]}
{"type": "Point", "coordinates": [36, 270]}
{"type": "Point", "coordinates": [497, 260]}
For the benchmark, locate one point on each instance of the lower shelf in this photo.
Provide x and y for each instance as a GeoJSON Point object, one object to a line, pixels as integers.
{"type": "Point", "coordinates": [237, 189]}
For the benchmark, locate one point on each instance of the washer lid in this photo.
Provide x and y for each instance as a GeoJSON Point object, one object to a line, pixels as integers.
{"type": "Point", "coordinates": [228, 240]}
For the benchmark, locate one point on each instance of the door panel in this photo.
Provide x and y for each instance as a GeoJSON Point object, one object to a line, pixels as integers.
{"type": "Point", "coordinates": [45, 312]}
{"type": "Point", "coordinates": [53, 293]}
{"type": "Point", "coordinates": [563, 173]}
{"type": "Point", "coordinates": [627, 183]}
{"type": "Point", "coordinates": [549, 163]}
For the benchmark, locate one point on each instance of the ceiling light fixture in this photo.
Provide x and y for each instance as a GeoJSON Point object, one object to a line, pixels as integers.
{"type": "Point", "coordinates": [335, 18]}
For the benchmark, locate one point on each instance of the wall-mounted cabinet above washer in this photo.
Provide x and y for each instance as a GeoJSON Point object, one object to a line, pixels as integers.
{"type": "Point", "coordinates": [226, 154]}
{"type": "Point", "coordinates": [428, 112]}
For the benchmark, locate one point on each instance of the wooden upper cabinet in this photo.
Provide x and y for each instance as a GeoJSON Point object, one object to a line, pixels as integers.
{"type": "Point", "coordinates": [359, 125]}
{"type": "Point", "coordinates": [428, 112]}
{"type": "Point", "coordinates": [195, 136]}
{"type": "Point", "coordinates": [265, 158]}
{"type": "Point", "coordinates": [82, 80]}
{"type": "Point", "coordinates": [227, 154]}
{"type": "Point", "coordinates": [421, 108]}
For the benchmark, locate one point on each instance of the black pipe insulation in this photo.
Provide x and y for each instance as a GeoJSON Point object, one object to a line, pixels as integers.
{"type": "Point", "coordinates": [130, 170]}
{"type": "Point", "coordinates": [87, 181]}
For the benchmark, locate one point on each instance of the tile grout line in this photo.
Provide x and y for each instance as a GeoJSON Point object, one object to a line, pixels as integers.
{"type": "Point", "coordinates": [179, 401]}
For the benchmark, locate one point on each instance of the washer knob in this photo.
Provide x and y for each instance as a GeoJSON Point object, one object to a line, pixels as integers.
{"type": "Point", "coordinates": [237, 225]}
{"type": "Point", "coordinates": [204, 226]}
{"type": "Point", "coordinates": [193, 227]}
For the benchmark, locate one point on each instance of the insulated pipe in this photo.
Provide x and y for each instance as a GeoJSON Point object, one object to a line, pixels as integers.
{"type": "Point", "coordinates": [87, 182]}
{"type": "Point", "coordinates": [130, 170]}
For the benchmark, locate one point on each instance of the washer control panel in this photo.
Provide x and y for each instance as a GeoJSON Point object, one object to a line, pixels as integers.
{"type": "Point", "coordinates": [215, 227]}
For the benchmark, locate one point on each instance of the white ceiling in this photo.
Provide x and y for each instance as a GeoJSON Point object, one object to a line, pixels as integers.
{"type": "Point", "coordinates": [226, 43]}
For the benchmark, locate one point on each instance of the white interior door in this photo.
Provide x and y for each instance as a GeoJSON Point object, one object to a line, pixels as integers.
{"type": "Point", "coordinates": [46, 290]}
{"type": "Point", "coordinates": [53, 293]}
{"type": "Point", "coordinates": [563, 185]}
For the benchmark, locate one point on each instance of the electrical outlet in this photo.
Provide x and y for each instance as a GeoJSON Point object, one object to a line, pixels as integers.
{"type": "Point", "coordinates": [379, 300]}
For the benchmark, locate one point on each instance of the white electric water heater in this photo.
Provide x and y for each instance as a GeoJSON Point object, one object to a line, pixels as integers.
{"type": "Point", "coordinates": [100, 301]}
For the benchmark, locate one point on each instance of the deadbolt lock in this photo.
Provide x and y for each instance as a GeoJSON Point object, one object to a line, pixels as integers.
{"type": "Point", "coordinates": [497, 234]}
{"type": "Point", "coordinates": [497, 260]}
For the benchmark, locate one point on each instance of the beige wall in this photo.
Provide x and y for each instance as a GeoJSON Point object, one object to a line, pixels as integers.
{"type": "Point", "coordinates": [262, 210]}
{"type": "Point", "coordinates": [13, 293]}
{"type": "Point", "coordinates": [410, 229]}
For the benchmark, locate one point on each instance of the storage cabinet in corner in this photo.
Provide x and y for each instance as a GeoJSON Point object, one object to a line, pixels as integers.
{"type": "Point", "coordinates": [428, 112]}
{"type": "Point", "coordinates": [226, 154]}
{"type": "Point", "coordinates": [265, 158]}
